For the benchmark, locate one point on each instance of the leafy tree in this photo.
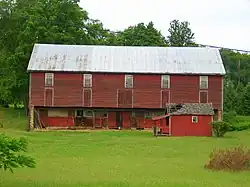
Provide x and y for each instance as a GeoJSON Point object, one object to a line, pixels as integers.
{"type": "Point", "coordinates": [25, 22]}
{"type": "Point", "coordinates": [230, 96]}
{"type": "Point", "coordinates": [246, 100]}
{"type": "Point", "coordinates": [220, 128]}
{"type": "Point", "coordinates": [99, 35]}
{"type": "Point", "coordinates": [141, 35]}
{"type": "Point", "coordinates": [180, 34]}
{"type": "Point", "coordinates": [9, 157]}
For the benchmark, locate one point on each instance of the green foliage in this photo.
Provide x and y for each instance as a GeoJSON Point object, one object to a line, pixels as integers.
{"type": "Point", "coordinates": [25, 22]}
{"type": "Point", "coordinates": [220, 128]}
{"type": "Point", "coordinates": [246, 100]}
{"type": "Point", "coordinates": [9, 157]}
{"type": "Point", "coordinates": [180, 34]}
{"type": "Point", "coordinates": [232, 159]}
{"type": "Point", "coordinates": [141, 35]}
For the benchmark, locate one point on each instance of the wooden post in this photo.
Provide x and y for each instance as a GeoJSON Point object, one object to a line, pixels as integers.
{"type": "Point", "coordinates": [220, 115]}
{"type": "Point", "coordinates": [31, 118]}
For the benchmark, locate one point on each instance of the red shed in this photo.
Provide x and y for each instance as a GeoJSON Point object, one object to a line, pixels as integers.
{"type": "Point", "coordinates": [119, 86]}
{"type": "Point", "coordinates": [190, 119]}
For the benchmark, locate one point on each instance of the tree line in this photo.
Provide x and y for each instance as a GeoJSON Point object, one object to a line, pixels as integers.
{"type": "Point", "coordinates": [26, 22]}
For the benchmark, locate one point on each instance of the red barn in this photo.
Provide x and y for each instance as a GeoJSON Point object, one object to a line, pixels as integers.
{"type": "Point", "coordinates": [119, 86]}
{"type": "Point", "coordinates": [189, 119]}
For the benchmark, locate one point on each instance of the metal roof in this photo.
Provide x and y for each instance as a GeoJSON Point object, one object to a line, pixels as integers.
{"type": "Point", "coordinates": [124, 59]}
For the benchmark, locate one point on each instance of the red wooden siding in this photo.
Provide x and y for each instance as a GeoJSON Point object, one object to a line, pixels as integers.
{"type": "Point", "coordinates": [87, 97]}
{"type": "Point", "coordinates": [183, 126]}
{"type": "Point", "coordinates": [125, 98]}
{"type": "Point", "coordinates": [147, 91]}
{"type": "Point", "coordinates": [203, 96]}
{"type": "Point", "coordinates": [164, 98]}
{"type": "Point", "coordinates": [184, 89]}
{"type": "Point", "coordinates": [49, 97]}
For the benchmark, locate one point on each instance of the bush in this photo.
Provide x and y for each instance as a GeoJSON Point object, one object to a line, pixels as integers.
{"type": "Point", "coordinates": [10, 157]}
{"type": "Point", "coordinates": [239, 128]}
{"type": "Point", "coordinates": [220, 128]}
{"type": "Point", "coordinates": [232, 159]}
{"type": "Point", "coordinates": [231, 117]}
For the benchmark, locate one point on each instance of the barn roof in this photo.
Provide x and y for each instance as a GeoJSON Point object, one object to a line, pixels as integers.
{"type": "Point", "coordinates": [123, 59]}
{"type": "Point", "coordinates": [193, 109]}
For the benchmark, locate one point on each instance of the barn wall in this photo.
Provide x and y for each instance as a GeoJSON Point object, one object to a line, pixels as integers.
{"type": "Point", "coordinates": [63, 117]}
{"type": "Point", "coordinates": [56, 117]}
{"type": "Point", "coordinates": [183, 126]}
{"type": "Point", "coordinates": [147, 93]}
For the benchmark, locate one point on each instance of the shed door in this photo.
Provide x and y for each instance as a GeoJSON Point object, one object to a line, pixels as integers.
{"type": "Point", "coordinates": [203, 97]}
{"type": "Point", "coordinates": [164, 98]}
{"type": "Point", "coordinates": [48, 97]}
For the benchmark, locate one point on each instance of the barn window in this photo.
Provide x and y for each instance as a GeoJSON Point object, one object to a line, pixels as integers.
{"type": "Point", "coordinates": [129, 81]}
{"type": "Point", "coordinates": [49, 79]}
{"type": "Point", "coordinates": [165, 81]}
{"type": "Point", "coordinates": [79, 113]}
{"type": "Point", "coordinates": [87, 80]}
{"type": "Point", "coordinates": [102, 114]}
{"type": "Point", "coordinates": [88, 113]}
{"type": "Point", "coordinates": [203, 82]}
{"type": "Point", "coordinates": [194, 119]}
{"type": "Point", "coordinates": [148, 115]}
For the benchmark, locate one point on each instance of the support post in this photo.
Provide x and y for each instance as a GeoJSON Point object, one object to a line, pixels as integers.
{"type": "Point", "coordinates": [31, 118]}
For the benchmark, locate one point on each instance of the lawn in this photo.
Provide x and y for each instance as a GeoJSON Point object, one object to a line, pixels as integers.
{"type": "Point", "coordinates": [121, 158]}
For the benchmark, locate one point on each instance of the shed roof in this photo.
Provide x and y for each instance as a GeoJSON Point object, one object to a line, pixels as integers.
{"type": "Point", "coordinates": [193, 109]}
{"type": "Point", "coordinates": [124, 59]}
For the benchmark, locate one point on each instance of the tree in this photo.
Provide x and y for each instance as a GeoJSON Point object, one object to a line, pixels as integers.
{"type": "Point", "coordinates": [99, 35]}
{"type": "Point", "coordinates": [180, 34]}
{"type": "Point", "coordinates": [25, 22]}
{"type": "Point", "coordinates": [141, 35]}
{"type": "Point", "coordinates": [246, 100]}
{"type": "Point", "coordinates": [9, 157]}
{"type": "Point", "coordinates": [230, 96]}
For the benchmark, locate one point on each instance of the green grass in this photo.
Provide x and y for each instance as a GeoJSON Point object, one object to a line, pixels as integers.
{"type": "Point", "coordinates": [119, 158]}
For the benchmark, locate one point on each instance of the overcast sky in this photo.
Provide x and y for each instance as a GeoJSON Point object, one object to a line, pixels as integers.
{"type": "Point", "coordinates": [215, 22]}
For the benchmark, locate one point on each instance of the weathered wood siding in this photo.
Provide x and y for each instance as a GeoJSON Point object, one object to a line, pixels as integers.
{"type": "Point", "coordinates": [108, 91]}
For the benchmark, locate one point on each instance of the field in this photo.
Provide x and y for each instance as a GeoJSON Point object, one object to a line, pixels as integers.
{"type": "Point", "coordinates": [120, 158]}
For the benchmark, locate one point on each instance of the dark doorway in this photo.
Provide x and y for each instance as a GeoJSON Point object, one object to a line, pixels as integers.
{"type": "Point", "coordinates": [119, 119]}
{"type": "Point", "coordinates": [216, 115]}
{"type": "Point", "coordinates": [167, 121]}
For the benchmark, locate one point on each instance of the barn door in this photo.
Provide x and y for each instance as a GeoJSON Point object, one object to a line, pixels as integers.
{"type": "Point", "coordinates": [203, 97]}
{"type": "Point", "coordinates": [48, 97]}
{"type": "Point", "coordinates": [125, 99]}
{"type": "Point", "coordinates": [87, 97]}
{"type": "Point", "coordinates": [164, 98]}
{"type": "Point", "coordinates": [119, 119]}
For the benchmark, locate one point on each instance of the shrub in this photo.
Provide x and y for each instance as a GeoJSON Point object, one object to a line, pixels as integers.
{"type": "Point", "coordinates": [231, 117]}
{"type": "Point", "coordinates": [9, 153]}
{"type": "Point", "coordinates": [231, 159]}
{"type": "Point", "coordinates": [220, 128]}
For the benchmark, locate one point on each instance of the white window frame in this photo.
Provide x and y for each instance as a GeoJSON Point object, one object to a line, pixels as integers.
{"type": "Point", "coordinates": [194, 119]}
{"type": "Point", "coordinates": [127, 79]}
{"type": "Point", "coordinates": [87, 77]}
{"type": "Point", "coordinates": [49, 76]}
{"type": "Point", "coordinates": [163, 79]}
{"type": "Point", "coordinates": [203, 79]}
{"type": "Point", "coordinates": [86, 111]}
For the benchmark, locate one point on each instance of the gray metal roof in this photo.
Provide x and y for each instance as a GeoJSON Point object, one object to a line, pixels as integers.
{"type": "Point", "coordinates": [192, 109]}
{"type": "Point", "coordinates": [123, 59]}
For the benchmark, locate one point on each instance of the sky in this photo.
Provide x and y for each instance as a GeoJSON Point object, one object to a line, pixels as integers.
{"type": "Point", "coordinates": [224, 23]}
